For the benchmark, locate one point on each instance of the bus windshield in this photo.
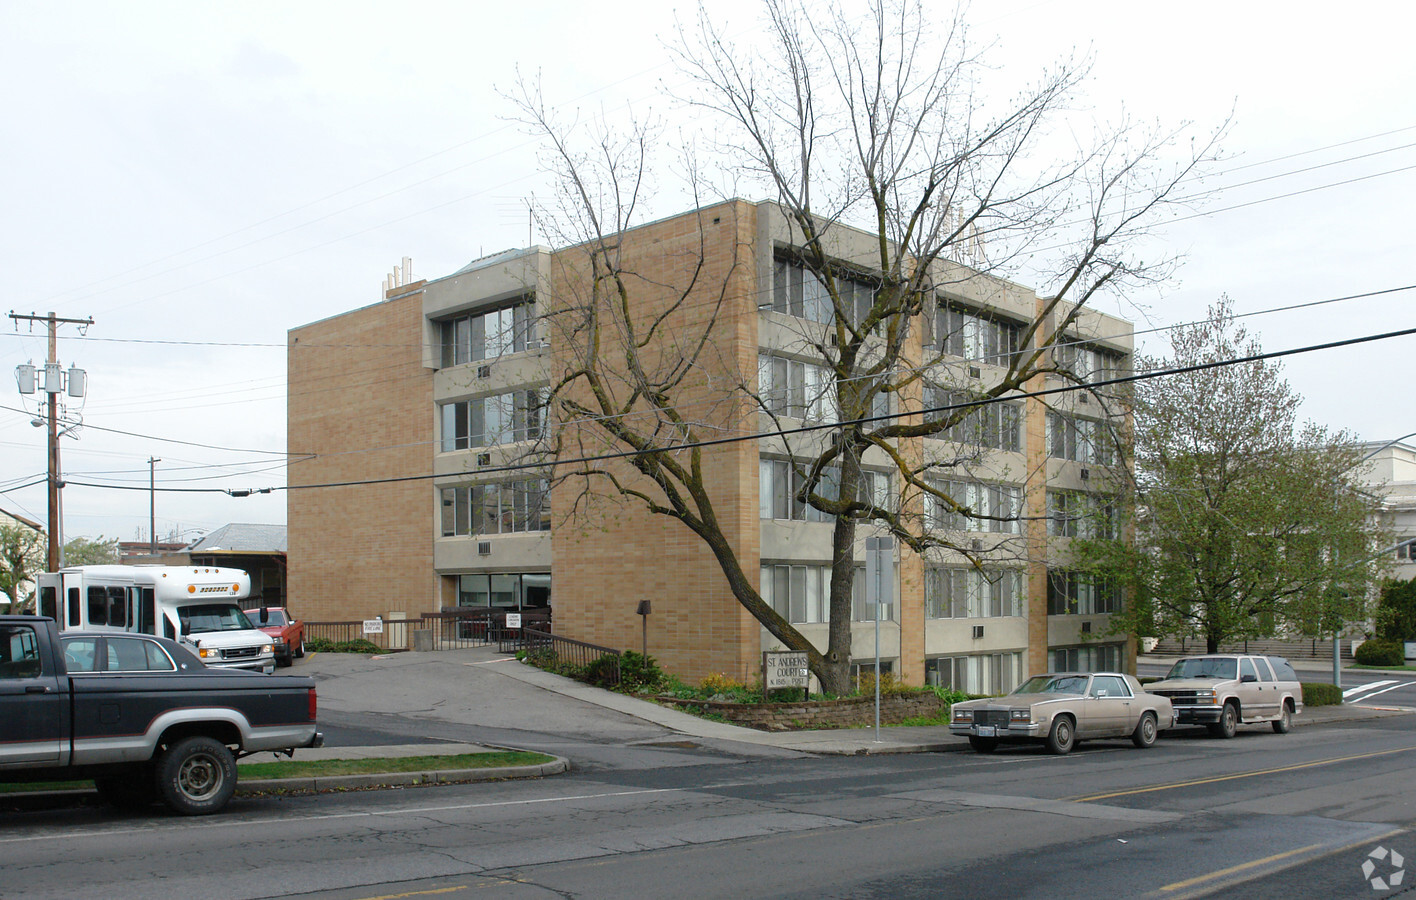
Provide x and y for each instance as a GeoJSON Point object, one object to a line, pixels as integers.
{"type": "Point", "coordinates": [212, 617]}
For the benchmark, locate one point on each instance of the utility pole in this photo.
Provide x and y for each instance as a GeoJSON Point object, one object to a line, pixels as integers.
{"type": "Point", "coordinates": [152, 502]}
{"type": "Point", "coordinates": [54, 379]}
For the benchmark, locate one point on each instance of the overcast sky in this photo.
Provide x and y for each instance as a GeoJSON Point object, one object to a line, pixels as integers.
{"type": "Point", "coordinates": [201, 177]}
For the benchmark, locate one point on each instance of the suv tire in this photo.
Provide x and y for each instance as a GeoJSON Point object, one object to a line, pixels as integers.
{"type": "Point", "coordinates": [1284, 722]}
{"type": "Point", "coordinates": [1228, 722]}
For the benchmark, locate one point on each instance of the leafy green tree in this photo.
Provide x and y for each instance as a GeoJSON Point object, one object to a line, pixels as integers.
{"type": "Point", "coordinates": [82, 551]}
{"type": "Point", "coordinates": [22, 556]}
{"type": "Point", "coordinates": [1396, 611]}
{"type": "Point", "coordinates": [1246, 523]}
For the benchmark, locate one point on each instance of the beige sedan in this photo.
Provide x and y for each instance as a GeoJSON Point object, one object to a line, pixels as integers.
{"type": "Point", "coordinates": [1063, 708]}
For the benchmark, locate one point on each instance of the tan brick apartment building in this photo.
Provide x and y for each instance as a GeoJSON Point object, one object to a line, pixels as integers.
{"type": "Point", "coordinates": [406, 411]}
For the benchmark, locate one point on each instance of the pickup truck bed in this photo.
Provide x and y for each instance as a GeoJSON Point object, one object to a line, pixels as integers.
{"type": "Point", "coordinates": [144, 719]}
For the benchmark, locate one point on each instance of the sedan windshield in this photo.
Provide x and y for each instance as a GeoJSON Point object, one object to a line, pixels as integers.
{"type": "Point", "coordinates": [1205, 667]}
{"type": "Point", "coordinates": [1054, 684]}
{"type": "Point", "coordinates": [212, 617]}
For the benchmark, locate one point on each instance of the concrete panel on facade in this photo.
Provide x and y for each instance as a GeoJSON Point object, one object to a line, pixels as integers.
{"type": "Point", "coordinates": [506, 553]}
{"type": "Point", "coordinates": [954, 637]}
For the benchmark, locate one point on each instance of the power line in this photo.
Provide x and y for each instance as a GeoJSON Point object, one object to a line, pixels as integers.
{"type": "Point", "coordinates": [807, 429]}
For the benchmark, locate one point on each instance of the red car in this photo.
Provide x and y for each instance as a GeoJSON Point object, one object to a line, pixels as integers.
{"type": "Point", "coordinates": [288, 632]}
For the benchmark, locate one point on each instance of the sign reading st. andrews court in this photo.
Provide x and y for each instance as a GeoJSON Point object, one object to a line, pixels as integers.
{"type": "Point", "coordinates": [783, 670]}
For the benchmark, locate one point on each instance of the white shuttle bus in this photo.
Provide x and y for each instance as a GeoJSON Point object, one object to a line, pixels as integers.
{"type": "Point", "coordinates": [198, 605]}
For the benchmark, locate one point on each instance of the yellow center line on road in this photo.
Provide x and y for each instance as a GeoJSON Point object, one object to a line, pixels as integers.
{"type": "Point", "coordinates": [1183, 784]}
{"type": "Point", "coordinates": [1234, 870]}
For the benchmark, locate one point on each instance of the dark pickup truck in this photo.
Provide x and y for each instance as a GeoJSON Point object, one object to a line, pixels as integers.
{"type": "Point", "coordinates": [138, 714]}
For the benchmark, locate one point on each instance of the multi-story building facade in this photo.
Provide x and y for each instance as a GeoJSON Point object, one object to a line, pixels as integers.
{"type": "Point", "coordinates": [406, 416]}
{"type": "Point", "coordinates": [1390, 473]}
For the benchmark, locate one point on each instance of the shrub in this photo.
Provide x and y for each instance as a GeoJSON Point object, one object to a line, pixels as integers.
{"type": "Point", "coordinates": [865, 684]}
{"type": "Point", "coordinates": [1321, 694]}
{"type": "Point", "coordinates": [1380, 652]}
{"type": "Point", "coordinates": [606, 671]}
{"type": "Point", "coordinates": [325, 645]}
{"type": "Point", "coordinates": [718, 683]}
{"type": "Point", "coordinates": [639, 671]}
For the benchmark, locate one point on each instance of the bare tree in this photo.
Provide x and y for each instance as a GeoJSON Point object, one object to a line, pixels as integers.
{"type": "Point", "coordinates": [869, 124]}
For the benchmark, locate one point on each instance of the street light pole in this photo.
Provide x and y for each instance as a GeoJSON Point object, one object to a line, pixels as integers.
{"type": "Point", "coordinates": [152, 502]}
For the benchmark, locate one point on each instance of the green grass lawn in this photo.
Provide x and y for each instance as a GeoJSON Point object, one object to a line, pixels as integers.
{"type": "Point", "coordinates": [324, 767]}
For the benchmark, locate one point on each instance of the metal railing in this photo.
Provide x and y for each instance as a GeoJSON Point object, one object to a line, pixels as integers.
{"type": "Point", "coordinates": [546, 646]}
{"type": "Point", "coordinates": [478, 626]}
{"type": "Point", "coordinates": [395, 634]}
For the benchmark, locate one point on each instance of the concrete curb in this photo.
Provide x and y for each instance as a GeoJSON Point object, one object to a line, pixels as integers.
{"type": "Point", "coordinates": [557, 766]}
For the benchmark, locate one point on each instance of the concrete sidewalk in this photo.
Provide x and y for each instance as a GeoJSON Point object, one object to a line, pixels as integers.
{"type": "Point", "coordinates": [841, 741]}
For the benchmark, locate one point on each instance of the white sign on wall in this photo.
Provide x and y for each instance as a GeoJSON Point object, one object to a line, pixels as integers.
{"type": "Point", "coordinates": [513, 620]}
{"type": "Point", "coordinates": [784, 670]}
{"type": "Point", "coordinates": [373, 626]}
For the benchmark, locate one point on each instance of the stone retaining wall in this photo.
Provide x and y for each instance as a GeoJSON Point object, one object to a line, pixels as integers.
{"type": "Point", "coordinates": [846, 713]}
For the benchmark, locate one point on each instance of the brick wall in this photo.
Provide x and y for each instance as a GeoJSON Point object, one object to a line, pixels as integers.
{"type": "Point", "coordinates": [846, 713]}
{"type": "Point", "coordinates": [360, 403]}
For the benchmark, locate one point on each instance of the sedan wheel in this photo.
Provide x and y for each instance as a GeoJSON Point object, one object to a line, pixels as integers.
{"type": "Point", "coordinates": [1146, 730]}
{"type": "Point", "coordinates": [1061, 738]}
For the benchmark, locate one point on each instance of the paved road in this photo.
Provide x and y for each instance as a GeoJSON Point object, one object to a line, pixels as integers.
{"type": "Point", "coordinates": [649, 812]}
{"type": "Point", "coordinates": [1190, 816]}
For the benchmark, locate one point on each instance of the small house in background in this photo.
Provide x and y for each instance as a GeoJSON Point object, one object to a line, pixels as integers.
{"type": "Point", "coordinates": [259, 550]}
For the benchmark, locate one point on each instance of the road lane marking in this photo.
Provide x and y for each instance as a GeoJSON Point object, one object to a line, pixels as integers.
{"type": "Point", "coordinates": [1253, 863]}
{"type": "Point", "coordinates": [1382, 691]}
{"type": "Point", "coordinates": [1218, 778]}
{"type": "Point", "coordinates": [1208, 890]}
{"type": "Point", "coordinates": [1365, 687]}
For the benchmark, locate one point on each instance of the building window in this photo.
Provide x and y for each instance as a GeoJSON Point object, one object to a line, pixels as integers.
{"type": "Point", "coordinates": [513, 590]}
{"type": "Point", "coordinates": [503, 507]}
{"type": "Point", "coordinates": [1081, 440]}
{"type": "Point", "coordinates": [958, 592]}
{"type": "Point", "coordinates": [487, 334]}
{"type": "Point", "coordinates": [801, 390]}
{"type": "Point", "coordinates": [1080, 594]}
{"type": "Point", "coordinates": [1081, 515]}
{"type": "Point", "coordinates": [1087, 364]}
{"type": "Point", "coordinates": [1086, 658]}
{"type": "Point", "coordinates": [779, 481]}
{"type": "Point", "coordinates": [1406, 551]}
{"type": "Point", "coordinates": [978, 674]}
{"type": "Point", "coordinates": [494, 420]}
{"type": "Point", "coordinates": [986, 507]}
{"type": "Point", "coordinates": [976, 337]}
{"type": "Point", "coordinates": [796, 291]}
{"type": "Point", "coordinates": [802, 595]}
{"type": "Point", "coordinates": [994, 425]}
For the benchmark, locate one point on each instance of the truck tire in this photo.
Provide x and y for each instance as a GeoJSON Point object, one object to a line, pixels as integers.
{"type": "Point", "coordinates": [196, 775]}
{"type": "Point", "coordinates": [132, 790]}
{"type": "Point", "coordinates": [1228, 722]}
{"type": "Point", "coordinates": [300, 648]}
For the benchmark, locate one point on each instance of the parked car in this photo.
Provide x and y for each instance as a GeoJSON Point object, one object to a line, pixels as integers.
{"type": "Point", "coordinates": [287, 633]}
{"type": "Point", "coordinates": [1062, 708]}
{"type": "Point", "coordinates": [1227, 690]}
{"type": "Point", "coordinates": [139, 714]}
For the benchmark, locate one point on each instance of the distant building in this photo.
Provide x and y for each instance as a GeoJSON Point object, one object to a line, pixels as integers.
{"type": "Point", "coordinates": [259, 550]}
{"type": "Point", "coordinates": [1391, 475]}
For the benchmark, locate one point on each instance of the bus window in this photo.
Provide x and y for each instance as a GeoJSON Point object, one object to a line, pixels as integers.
{"type": "Point", "coordinates": [118, 607]}
{"type": "Point", "coordinates": [76, 609]}
{"type": "Point", "coordinates": [146, 611]}
{"type": "Point", "coordinates": [97, 606]}
{"type": "Point", "coordinates": [49, 602]}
